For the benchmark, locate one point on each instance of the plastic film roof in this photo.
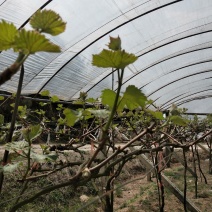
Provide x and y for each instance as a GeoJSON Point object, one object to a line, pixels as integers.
{"type": "Point", "coordinates": [173, 40]}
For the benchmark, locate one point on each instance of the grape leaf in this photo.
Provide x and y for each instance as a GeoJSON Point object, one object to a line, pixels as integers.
{"type": "Point", "coordinates": [70, 116]}
{"type": "Point", "coordinates": [108, 97]}
{"type": "Point", "coordinates": [113, 59]}
{"type": "Point", "coordinates": [115, 43]}
{"type": "Point", "coordinates": [45, 93]}
{"type": "Point", "coordinates": [91, 100]}
{"type": "Point", "coordinates": [78, 102]}
{"type": "Point", "coordinates": [133, 97]}
{"type": "Point", "coordinates": [54, 99]}
{"type": "Point", "coordinates": [31, 132]}
{"type": "Point", "coordinates": [179, 120]}
{"type": "Point", "coordinates": [84, 114]}
{"type": "Point", "coordinates": [31, 41]}
{"type": "Point", "coordinates": [48, 21]}
{"type": "Point", "coordinates": [8, 32]}
{"type": "Point", "coordinates": [156, 114]}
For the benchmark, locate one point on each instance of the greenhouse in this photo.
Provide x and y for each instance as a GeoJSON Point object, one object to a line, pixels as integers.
{"type": "Point", "coordinates": [105, 105]}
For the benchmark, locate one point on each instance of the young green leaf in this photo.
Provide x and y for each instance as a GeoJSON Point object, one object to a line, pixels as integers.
{"type": "Point", "coordinates": [59, 107]}
{"type": "Point", "coordinates": [86, 114]}
{"type": "Point", "coordinates": [91, 100]}
{"type": "Point", "coordinates": [30, 42]}
{"type": "Point", "coordinates": [61, 121]}
{"type": "Point", "coordinates": [42, 104]}
{"type": "Point", "coordinates": [1, 97]}
{"type": "Point", "coordinates": [115, 43]}
{"type": "Point", "coordinates": [48, 21]}
{"type": "Point", "coordinates": [78, 102]}
{"type": "Point", "coordinates": [31, 132]}
{"type": "Point", "coordinates": [108, 97]}
{"type": "Point", "coordinates": [156, 114]}
{"type": "Point", "coordinates": [70, 116]}
{"type": "Point", "coordinates": [22, 110]}
{"type": "Point", "coordinates": [54, 99]}
{"type": "Point", "coordinates": [133, 97]}
{"type": "Point", "coordinates": [45, 93]}
{"type": "Point", "coordinates": [8, 32]}
{"type": "Point", "coordinates": [179, 120]}
{"type": "Point", "coordinates": [83, 96]}
{"type": "Point", "coordinates": [113, 59]}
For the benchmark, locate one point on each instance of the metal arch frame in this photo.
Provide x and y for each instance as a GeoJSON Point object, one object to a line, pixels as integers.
{"type": "Point", "coordinates": [163, 60]}
{"type": "Point", "coordinates": [81, 50]}
{"type": "Point", "coordinates": [145, 13]}
{"type": "Point", "coordinates": [3, 2]}
{"type": "Point", "coordinates": [169, 102]}
{"type": "Point", "coordinates": [190, 75]}
{"type": "Point", "coordinates": [185, 97]}
{"type": "Point", "coordinates": [177, 96]}
{"type": "Point", "coordinates": [42, 7]}
{"type": "Point", "coordinates": [196, 34]}
{"type": "Point", "coordinates": [193, 99]}
{"type": "Point", "coordinates": [167, 106]}
{"type": "Point", "coordinates": [186, 66]}
{"type": "Point", "coordinates": [183, 93]}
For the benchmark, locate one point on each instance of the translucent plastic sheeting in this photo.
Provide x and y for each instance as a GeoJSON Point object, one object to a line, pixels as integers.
{"type": "Point", "coordinates": [18, 11]}
{"type": "Point", "coordinates": [106, 13]}
{"type": "Point", "coordinates": [172, 39]}
{"type": "Point", "coordinates": [202, 104]}
{"type": "Point", "coordinates": [185, 91]}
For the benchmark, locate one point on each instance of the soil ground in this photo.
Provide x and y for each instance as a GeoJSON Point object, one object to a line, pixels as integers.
{"type": "Point", "coordinates": [137, 195]}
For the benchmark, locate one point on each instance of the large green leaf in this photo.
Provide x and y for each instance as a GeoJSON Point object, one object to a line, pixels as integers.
{"type": "Point", "coordinates": [48, 21]}
{"type": "Point", "coordinates": [108, 97]}
{"type": "Point", "coordinates": [133, 98]}
{"type": "Point", "coordinates": [115, 43]}
{"type": "Point", "coordinates": [114, 59]}
{"type": "Point", "coordinates": [70, 116]}
{"type": "Point", "coordinates": [179, 120]}
{"type": "Point", "coordinates": [8, 32]}
{"type": "Point", "coordinates": [31, 41]}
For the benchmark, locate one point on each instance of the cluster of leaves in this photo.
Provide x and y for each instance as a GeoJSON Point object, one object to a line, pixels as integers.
{"type": "Point", "coordinates": [27, 42]}
{"type": "Point", "coordinates": [31, 41]}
